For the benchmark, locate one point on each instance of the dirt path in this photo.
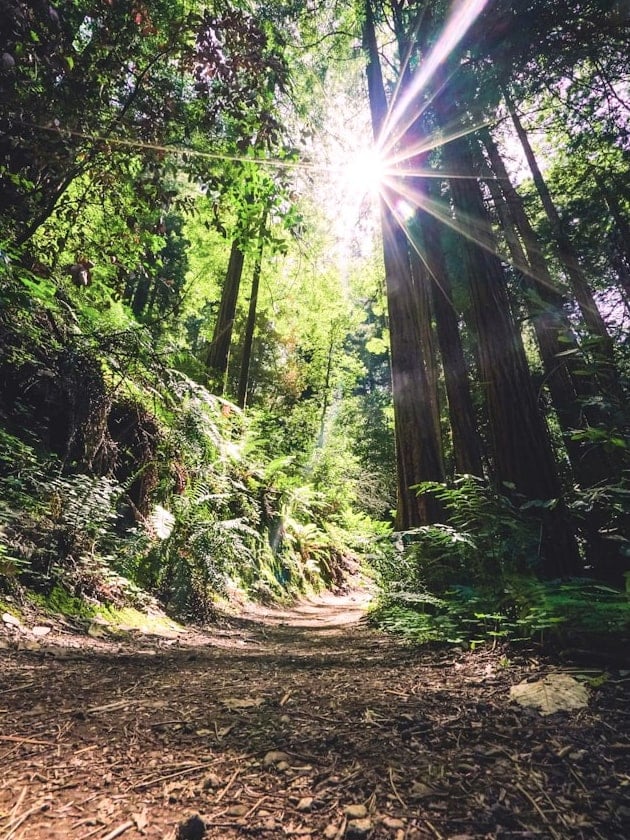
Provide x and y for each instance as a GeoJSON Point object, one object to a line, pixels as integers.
{"type": "Point", "coordinates": [299, 723]}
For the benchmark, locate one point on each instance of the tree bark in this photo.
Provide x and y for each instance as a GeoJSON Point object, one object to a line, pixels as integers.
{"type": "Point", "coordinates": [418, 453]}
{"type": "Point", "coordinates": [218, 354]}
{"type": "Point", "coordinates": [521, 450]}
{"type": "Point", "coordinates": [422, 283]}
{"type": "Point", "coordinates": [466, 443]}
{"type": "Point", "coordinates": [570, 387]}
{"type": "Point", "coordinates": [243, 378]}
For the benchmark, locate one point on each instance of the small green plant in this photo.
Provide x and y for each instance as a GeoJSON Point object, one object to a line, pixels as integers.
{"type": "Point", "coordinates": [11, 567]}
{"type": "Point", "coordinates": [526, 610]}
{"type": "Point", "coordinates": [473, 579]}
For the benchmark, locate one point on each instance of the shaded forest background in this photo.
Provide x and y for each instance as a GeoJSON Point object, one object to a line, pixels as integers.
{"type": "Point", "coordinates": [223, 370]}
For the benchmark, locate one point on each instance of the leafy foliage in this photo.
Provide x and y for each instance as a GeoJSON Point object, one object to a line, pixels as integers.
{"type": "Point", "coordinates": [471, 581]}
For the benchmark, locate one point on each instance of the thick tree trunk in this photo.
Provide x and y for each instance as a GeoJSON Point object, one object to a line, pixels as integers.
{"type": "Point", "coordinates": [418, 453]}
{"type": "Point", "coordinates": [422, 284]}
{"type": "Point", "coordinates": [466, 444]}
{"type": "Point", "coordinates": [521, 450]}
{"type": "Point", "coordinates": [568, 384]}
{"type": "Point", "coordinates": [218, 354]}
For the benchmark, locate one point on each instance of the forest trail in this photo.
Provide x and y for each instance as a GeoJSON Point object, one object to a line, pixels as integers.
{"type": "Point", "coordinates": [303, 723]}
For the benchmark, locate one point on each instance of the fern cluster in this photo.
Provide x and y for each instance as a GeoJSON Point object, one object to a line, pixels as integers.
{"type": "Point", "coordinates": [473, 580]}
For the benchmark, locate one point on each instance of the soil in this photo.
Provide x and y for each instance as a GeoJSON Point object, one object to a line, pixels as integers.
{"type": "Point", "coordinates": [302, 723]}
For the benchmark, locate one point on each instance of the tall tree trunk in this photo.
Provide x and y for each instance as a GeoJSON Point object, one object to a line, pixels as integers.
{"type": "Point", "coordinates": [422, 284]}
{"type": "Point", "coordinates": [218, 354]}
{"type": "Point", "coordinates": [243, 378]}
{"type": "Point", "coordinates": [569, 386]}
{"type": "Point", "coordinates": [521, 450]}
{"type": "Point", "coordinates": [568, 256]}
{"type": "Point", "coordinates": [419, 271]}
{"type": "Point", "coordinates": [586, 462]}
{"type": "Point", "coordinates": [466, 444]}
{"type": "Point", "coordinates": [418, 453]}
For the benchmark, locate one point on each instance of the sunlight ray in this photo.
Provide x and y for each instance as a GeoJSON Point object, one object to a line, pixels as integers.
{"type": "Point", "coordinates": [142, 145]}
{"type": "Point", "coordinates": [462, 16]}
{"type": "Point", "coordinates": [390, 139]}
{"type": "Point", "coordinates": [403, 219]}
{"type": "Point", "coordinates": [467, 226]}
{"type": "Point", "coordinates": [406, 60]}
{"type": "Point", "coordinates": [429, 144]}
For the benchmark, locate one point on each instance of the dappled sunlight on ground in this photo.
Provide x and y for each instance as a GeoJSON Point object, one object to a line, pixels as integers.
{"type": "Point", "coordinates": [321, 611]}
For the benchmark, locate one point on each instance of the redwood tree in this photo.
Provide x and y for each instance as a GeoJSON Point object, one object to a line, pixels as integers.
{"type": "Point", "coordinates": [521, 451]}
{"type": "Point", "coordinates": [418, 452]}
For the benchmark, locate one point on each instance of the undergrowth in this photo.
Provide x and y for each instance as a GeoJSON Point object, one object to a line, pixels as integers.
{"type": "Point", "coordinates": [156, 494]}
{"type": "Point", "coordinates": [473, 581]}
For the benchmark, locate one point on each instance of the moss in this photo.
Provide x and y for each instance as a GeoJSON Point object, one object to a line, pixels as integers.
{"type": "Point", "coordinates": [6, 607]}
{"type": "Point", "coordinates": [59, 600]}
{"type": "Point", "coordinates": [129, 618]}
{"type": "Point", "coordinates": [118, 619]}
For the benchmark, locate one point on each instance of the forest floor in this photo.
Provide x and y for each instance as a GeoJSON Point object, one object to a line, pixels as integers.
{"type": "Point", "coordinates": [301, 723]}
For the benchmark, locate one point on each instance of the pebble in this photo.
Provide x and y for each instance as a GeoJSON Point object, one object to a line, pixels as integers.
{"type": "Point", "coordinates": [393, 822]}
{"type": "Point", "coordinates": [355, 812]}
{"type": "Point", "coordinates": [359, 828]}
{"type": "Point", "coordinates": [275, 757]}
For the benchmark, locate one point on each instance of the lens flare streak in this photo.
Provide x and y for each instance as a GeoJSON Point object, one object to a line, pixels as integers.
{"type": "Point", "coordinates": [463, 15]}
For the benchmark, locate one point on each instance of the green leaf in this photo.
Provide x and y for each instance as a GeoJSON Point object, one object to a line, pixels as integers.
{"type": "Point", "coordinates": [377, 346]}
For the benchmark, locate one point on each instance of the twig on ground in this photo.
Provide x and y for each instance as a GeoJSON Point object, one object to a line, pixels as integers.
{"type": "Point", "coordinates": [18, 739]}
{"type": "Point", "coordinates": [433, 829]}
{"type": "Point", "coordinates": [120, 830]}
{"type": "Point", "coordinates": [16, 807]}
{"type": "Point", "coordinates": [232, 779]}
{"type": "Point", "coordinates": [537, 807]}
{"type": "Point", "coordinates": [165, 778]}
{"type": "Point", "coordinates": [16, 822]}
{"type": "Point", "coordinates": [396, 794]}
{"type": "Point", "coordinates": [255, 807]}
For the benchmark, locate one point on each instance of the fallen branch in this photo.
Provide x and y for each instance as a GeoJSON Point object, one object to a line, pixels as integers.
{"type": "Point", "coordinates": [396, 794]}
{"type": "Point", "coordinates": [16, 822]}
{"type": "Point", "coordinates": [18, 739]}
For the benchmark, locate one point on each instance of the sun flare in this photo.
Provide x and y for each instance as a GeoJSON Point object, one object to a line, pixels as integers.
{"type": "Point", "coordinates": [365, 173]}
